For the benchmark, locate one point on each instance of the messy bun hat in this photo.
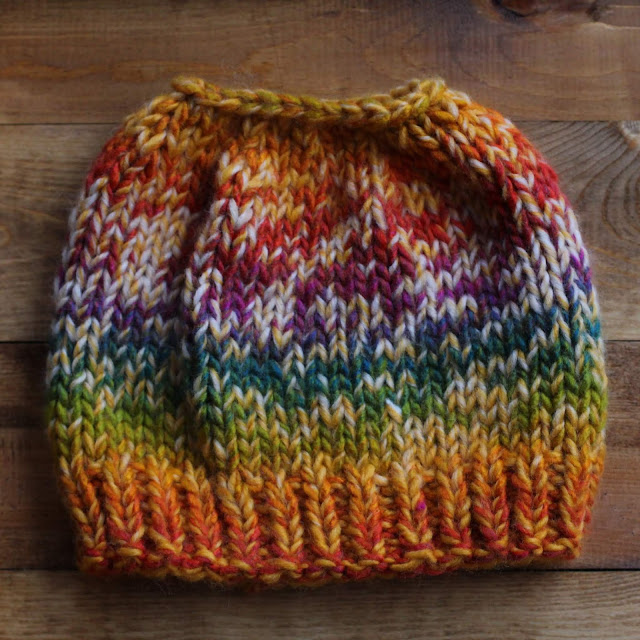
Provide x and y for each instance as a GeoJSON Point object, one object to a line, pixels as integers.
{"type": "Point", "coordinates": [300, 340]}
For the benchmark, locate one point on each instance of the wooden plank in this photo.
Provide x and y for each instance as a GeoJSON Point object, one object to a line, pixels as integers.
{"type": "Point", "coordinates": [78, 62]}
{"type": "Point", "coordinates": [482, 606]}
{"type": "Point", "coordinates": [34, 531]}
{"type": "Point", "coordinates": [43, 168]}
{"type": "Point", "coordinates": [553, 12]}
{"type": "Point", "coordinates": [22, 395]}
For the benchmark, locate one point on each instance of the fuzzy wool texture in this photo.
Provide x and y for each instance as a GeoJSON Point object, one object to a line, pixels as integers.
{"type": "Point", "coordinates": [300, 340]}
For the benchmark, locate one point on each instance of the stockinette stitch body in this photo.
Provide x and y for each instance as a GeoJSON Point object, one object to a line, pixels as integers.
{"type": "Point", "coordinates": [300, 340]}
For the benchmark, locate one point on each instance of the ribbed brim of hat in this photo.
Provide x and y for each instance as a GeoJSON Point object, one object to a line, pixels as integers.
{"type": "Point", "coordinates": [445, 509]}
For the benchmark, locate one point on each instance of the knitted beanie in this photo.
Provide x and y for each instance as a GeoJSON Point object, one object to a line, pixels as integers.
{"type": "Point", "coordinates": [299, 340]}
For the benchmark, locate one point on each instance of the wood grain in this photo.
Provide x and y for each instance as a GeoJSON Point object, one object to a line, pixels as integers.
{"type": "Point", "coordinates": [44, 166]}
{"type": "Point", "coordinates": [71, 62]}
{"type": "Point", "coordinates": [40, 604]}
{"type": "Point", "coordinates": [552, 14]}
{"type": "Point", "coordinates": [34, 531]}
{"type": "Point", "coordinates": [535, 7]}
{"type": "Point", "coordinates": [22, 379]}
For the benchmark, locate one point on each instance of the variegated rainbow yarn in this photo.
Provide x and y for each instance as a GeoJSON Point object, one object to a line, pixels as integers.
{"type": "Point", "coordinates": [300, 340]}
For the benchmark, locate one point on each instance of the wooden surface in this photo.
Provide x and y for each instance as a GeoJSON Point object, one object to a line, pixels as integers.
{"type": "Point", "coordinates": [568, 73]}
{"type": "Point", "coordinates": [509, 606]}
